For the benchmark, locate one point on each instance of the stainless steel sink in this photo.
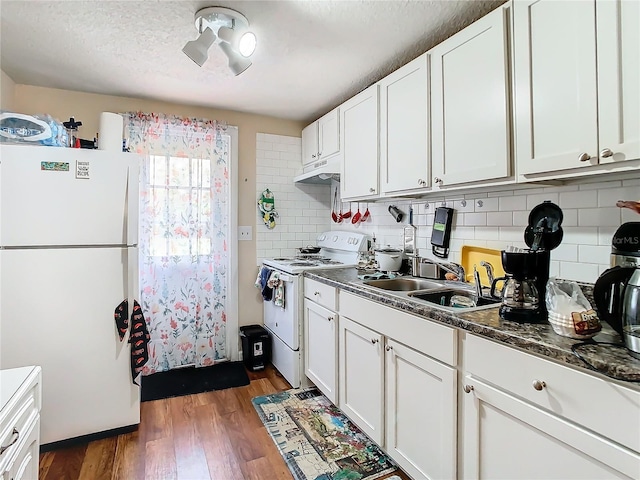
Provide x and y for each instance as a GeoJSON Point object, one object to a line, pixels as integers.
{"type": "Point", "coordinates": [404, 284]}
{"type": "Point", "coordinates": [462, 299]}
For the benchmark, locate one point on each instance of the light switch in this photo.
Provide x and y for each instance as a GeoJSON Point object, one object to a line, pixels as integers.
{"type": "Point", "coordinates": [245, 233]}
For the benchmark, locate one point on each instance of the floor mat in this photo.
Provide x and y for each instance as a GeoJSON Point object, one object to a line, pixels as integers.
{"type": "Point", "coordinates": [317, 440]}
{"type": "Point", "coordinates": [191, 380]}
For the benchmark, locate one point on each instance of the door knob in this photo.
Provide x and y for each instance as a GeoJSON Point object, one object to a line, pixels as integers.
{"type": "Point", "coordinates": [606, 153]}
{"type": "Point", "coordinates": [584, 157]}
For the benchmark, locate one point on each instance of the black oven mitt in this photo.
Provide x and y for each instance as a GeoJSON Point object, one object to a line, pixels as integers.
{"type": "Point", "coordinates": [267, 291]}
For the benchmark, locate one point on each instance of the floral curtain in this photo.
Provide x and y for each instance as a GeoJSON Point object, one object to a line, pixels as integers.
{"type": "Point", "coordinates": [184, 218]}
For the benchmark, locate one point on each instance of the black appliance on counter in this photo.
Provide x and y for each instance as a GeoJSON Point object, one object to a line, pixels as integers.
{"type": "Point", "coordinates": [256, 347]}
{"type": "Point", "coordinates": [524, 291]}
{"type": "Point", "coordinates": [617, 291]}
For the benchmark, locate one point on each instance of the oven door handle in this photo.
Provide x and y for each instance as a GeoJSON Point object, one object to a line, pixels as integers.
{"type": "Point", "coordinates": [286, 278]}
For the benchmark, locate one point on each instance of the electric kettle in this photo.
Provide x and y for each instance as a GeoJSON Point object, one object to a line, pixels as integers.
{"type": "Point", "coordinates": [617, 298]}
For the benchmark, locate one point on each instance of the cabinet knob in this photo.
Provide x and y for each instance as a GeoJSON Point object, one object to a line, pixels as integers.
{"type": "Point", "coordinates": [313, 155]}
{"type": "Point", "coordinates": [316, 293]}
{"type": "Point", "coordinates": [374, 340]}
{"type": "Point", "coordinates": [372, 190]}
{"type": "Point", "coordinates": [16, 435]}
{"type": "Point", "coordinates": [319, 154]}
{"type": "Point", "coordinates": [584, 157]}
{"type": "Point", "coordinates": [388, 348]}
{"type": "Point", "coordinates": [422, 183]}
{"type": "Point", "coordinates": [539, 385]}
{"type": "Point", "coordinates": [330, 319]}
{"type": "Point", "coordinates": [437, 180]}
{"type": "Point", "coordinates": [468, 388]}
{"type": "Point", "coordinates": [606, 153]}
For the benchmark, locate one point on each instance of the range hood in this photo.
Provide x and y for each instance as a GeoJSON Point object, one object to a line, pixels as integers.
{"type": "Point", "coordinates": [322, 171]}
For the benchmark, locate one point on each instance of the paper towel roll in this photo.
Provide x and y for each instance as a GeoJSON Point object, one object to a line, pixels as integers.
{"type": "Point", "coordinates": [110, 133]}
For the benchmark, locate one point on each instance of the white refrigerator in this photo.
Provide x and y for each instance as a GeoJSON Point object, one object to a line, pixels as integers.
{"type": "Point", "coordinates": [68, 258]}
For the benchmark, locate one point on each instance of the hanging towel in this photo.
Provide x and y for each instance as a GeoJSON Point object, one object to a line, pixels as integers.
{"type": "Point", "coordinates": [278, 289]}
{"type": "Point", "coordinates": [139, 337]}
{"type": "Point", "coordinates": [262, 282]}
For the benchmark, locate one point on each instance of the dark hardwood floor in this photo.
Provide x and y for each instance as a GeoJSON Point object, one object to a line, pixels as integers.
{"type": "Point", "coordinates": [209, 436]}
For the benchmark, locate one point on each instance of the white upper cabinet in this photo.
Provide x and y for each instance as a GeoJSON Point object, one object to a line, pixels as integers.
{"type": "Point", "coordinates": [310, 143]}
{"type": "Point", "coordinates": [404, 128]}
{"type": "Point", "coordinates": [359, 145]}
{"type": "Point", "coordinates": [321, 139]}
{"type": "Point", "coordinates": [471, 103]}
{"type": "Point", "coordinates": [618, 34]}
{"type": "Point", "coordinates": [575, 109]}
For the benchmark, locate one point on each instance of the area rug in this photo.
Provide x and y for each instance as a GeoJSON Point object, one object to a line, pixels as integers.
{"type": "Point", "coordinates": [191, 380]}
{"type": "Point", "coordinates": [316, 440]}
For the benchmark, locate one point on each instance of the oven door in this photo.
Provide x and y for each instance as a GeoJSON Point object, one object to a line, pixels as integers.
{"type": "Point", "coordinates": [285, 322]}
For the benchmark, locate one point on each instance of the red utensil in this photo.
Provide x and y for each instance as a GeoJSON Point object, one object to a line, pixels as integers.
{"type": "Point", "coordinates": [346, 215]}
{"type": "Point", "coordinates": [356, 217]}
{"type": "Point", "coordinates": [366, 215]}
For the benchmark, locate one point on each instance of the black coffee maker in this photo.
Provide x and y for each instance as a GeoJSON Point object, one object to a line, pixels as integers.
{"type": "Point", "coordinates": [525, 286]}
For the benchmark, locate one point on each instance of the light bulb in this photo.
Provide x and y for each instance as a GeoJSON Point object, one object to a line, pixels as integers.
{"type": "Point", "coordinates": [247, 44]}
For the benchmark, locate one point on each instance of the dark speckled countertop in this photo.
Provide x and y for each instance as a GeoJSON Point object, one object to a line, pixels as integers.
{"type": "Point", "coordinates": [611, 360]}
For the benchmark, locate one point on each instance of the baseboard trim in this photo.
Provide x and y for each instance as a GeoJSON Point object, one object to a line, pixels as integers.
{"type": "Point", "coordinates": [72, 442]}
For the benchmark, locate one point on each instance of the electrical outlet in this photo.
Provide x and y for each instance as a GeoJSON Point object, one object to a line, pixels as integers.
{"type": "Point", "coordinates": [245, 233]}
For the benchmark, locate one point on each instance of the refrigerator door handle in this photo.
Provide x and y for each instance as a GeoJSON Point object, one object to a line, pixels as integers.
{"type": "Point", "coordinates": [133, 199]}
{"type": "Point", "coordinates": [133, 290]}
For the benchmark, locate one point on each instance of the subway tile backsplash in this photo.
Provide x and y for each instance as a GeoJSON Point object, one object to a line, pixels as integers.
{"type": "Point", "coordinates": [303, 209]}
{"type": "Point", "coordinates": [498, 219]}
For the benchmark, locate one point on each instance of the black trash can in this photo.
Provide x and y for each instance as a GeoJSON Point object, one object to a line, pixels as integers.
{"type": "Point", "coordinates": [256, 347]}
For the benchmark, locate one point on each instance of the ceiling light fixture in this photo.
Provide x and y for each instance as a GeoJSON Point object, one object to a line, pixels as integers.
{"type": "Point", "coordinates": [229, 29]}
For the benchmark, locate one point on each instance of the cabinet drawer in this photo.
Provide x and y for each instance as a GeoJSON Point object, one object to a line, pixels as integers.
{"type": "Point", "coordinates": [432, 339]}
{"type": "Point", "coordinates": [595, 403]}
{"type": "Point", "coordinates": [18, 414]}
{"type": "Point", "coordinates": [320, 293]}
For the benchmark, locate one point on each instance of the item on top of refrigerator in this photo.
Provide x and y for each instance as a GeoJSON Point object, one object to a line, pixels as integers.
{"type": "Point", "coordinates": [32, 129]}
{"type": "Point", "coordinates": [72, 130]}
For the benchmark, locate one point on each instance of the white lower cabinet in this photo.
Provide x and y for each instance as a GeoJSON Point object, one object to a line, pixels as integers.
{"type": "Point", "coordinates": [320, 354]}
{"type": "Point", "coordinates": [420, 413]}
{"type": "Point", "coordinates": [20, 405]}
{"type": "Point", "coordinates": [401, 398]}
{"type": "Point", "coordinates": [362, 377]}
{"type": "Point", "coordinates": [528, 418]}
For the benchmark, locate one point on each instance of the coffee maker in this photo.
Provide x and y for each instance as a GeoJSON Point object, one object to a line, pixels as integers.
{"type": "Point", "coordinates": [521, 301]}
{"type": "Point", "coordinates": [617, 290]}
{"type": "Point", "coordinates": [525, 287]}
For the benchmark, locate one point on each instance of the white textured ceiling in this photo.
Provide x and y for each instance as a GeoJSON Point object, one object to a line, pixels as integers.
{"type": "Point", "coordinates": [311, 55]}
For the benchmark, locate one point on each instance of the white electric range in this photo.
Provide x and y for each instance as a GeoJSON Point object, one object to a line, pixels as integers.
{"type": "Point", "coordinates": [337, 250]}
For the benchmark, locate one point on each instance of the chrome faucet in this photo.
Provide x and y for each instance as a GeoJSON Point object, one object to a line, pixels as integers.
{"type": "Point", "coordinates": [489, 269]}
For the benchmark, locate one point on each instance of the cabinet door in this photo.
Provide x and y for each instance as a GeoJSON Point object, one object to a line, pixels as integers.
{"type": "Point", "coordinates": [420, 413]}
{"type": "Point", "coordinates": [310, 144]}
{"type": "Point", "coordinates": [618, 32]}
{"type": "Point", "coordinates": [359, 137]}
{"type": "Point", "coordinates": [361, 378]}
{"type": "Point", "coordinates": [25, 466]}
{"type": "Point", "coordinates": [404, 128]}
{"type": "Point", "coordinates": [555, 85]}
{"type": "Point", "coordinates": [329, 134]}
{"type": "Point", "coordinates": [471, 103]}
{"type": "Point", "coordinates": [320, 352]}
{"type": "Point", "coordinates": [505, 437]}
